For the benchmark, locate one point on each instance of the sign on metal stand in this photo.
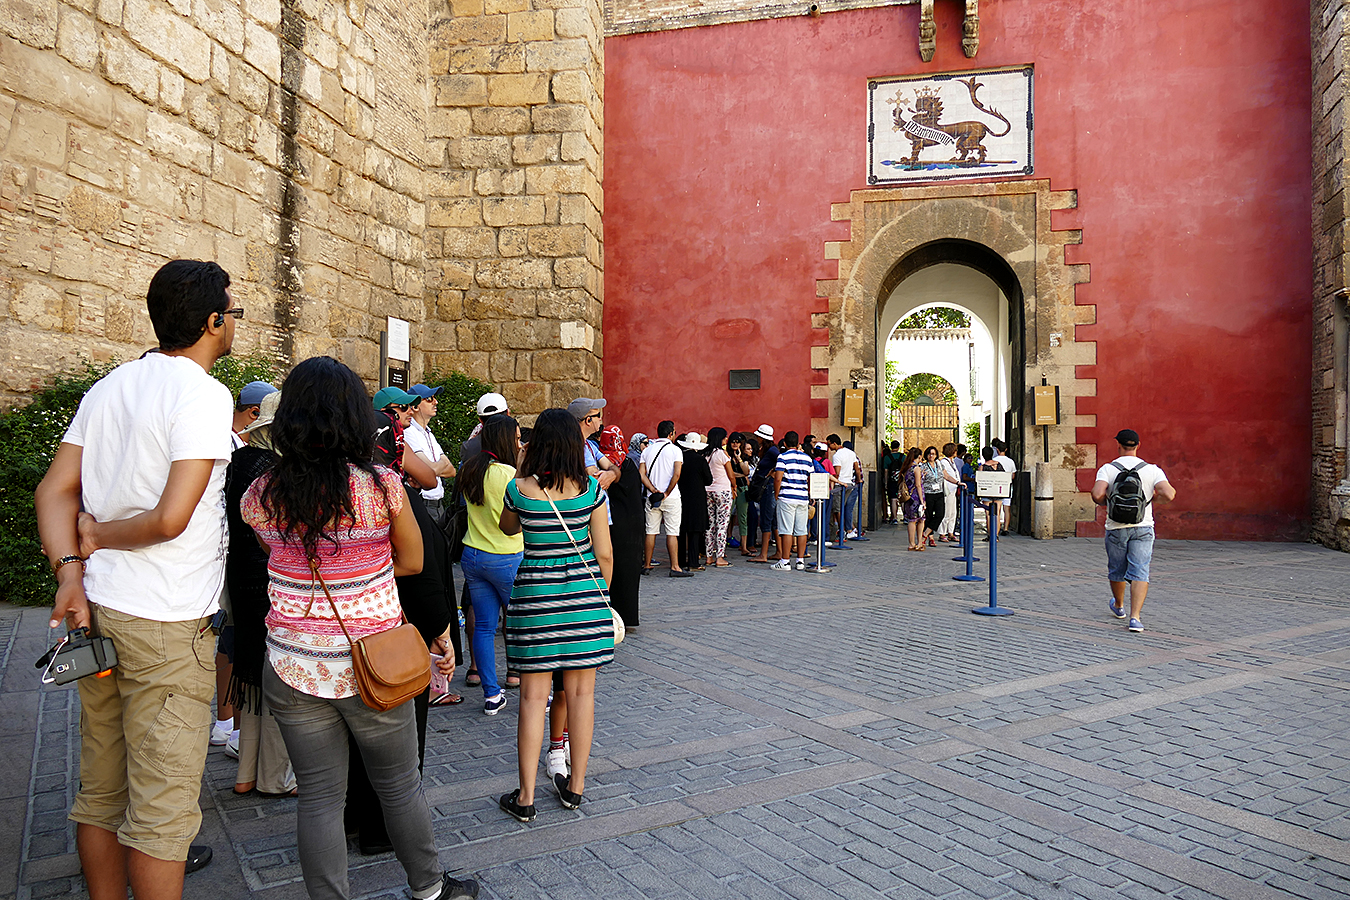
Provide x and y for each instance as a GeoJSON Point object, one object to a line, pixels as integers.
{"type": "Point", "coordinates": [818, 491]}
{"type": "Point", "coordinates": [994, 487]}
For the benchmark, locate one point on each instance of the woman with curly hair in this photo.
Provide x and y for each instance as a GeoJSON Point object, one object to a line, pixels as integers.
{"type": "Point", "coordinates": [338, 526]}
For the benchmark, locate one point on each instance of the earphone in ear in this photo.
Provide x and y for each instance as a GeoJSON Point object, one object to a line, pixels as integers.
{"type": "Point", "coordinates": [220, 320]}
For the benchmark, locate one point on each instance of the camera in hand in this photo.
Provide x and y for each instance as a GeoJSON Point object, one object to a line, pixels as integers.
{"type": "Point", "coordinates": [78, 655]}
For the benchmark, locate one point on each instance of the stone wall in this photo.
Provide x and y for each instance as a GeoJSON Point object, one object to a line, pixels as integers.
{"type": "Point", "coordinates": [282, 139]}
{"type": "Point", "coordinates": [636, 16]}
{"type": "Point", "coordinates": [1331, 488]}
{"type": "Point", "coordinates": [514, 241]}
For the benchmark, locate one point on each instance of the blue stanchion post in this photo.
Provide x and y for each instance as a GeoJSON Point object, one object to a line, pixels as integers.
{"type": "Point", "coordinates": [843, 525]}
{"type": "Point", "coordinates": [993, 609]}
{"type": "Point", "coordinates": [967, 538]}
{"type": "Point", "coordinates": [821, 567]}
{"type": "Point", "coordinates": [858, 529]}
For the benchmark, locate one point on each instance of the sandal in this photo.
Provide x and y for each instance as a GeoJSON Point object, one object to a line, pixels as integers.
{"type": "Point", "coordinates": [471, 678]}
{"type": "Point", "coordinates": [512, 679]}
{"type": "Point", "coordinates": [723, 564]}
{"type": "Point", "coordinates": [447, 699]}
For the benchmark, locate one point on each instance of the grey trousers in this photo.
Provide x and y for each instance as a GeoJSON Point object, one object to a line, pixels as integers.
{"type": "Point", "coordinates": [315, 731]}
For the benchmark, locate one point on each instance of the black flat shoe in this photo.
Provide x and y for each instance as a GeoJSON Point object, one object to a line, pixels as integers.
{"type": "Point", "coordinates": [454, 889]}
{"type": "Point", "coordinates": [569, 799]}
{"type": "Point", "coordinates": [509, 802]}
{"type": "Point", "coordinates": [198, 858]}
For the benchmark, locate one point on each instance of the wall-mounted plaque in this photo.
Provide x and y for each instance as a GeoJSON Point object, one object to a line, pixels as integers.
{"type": "Point", "coordinates": [949, 125]}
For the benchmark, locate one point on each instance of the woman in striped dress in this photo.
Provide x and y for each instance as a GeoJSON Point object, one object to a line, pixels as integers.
{"type": "Point", "coordinates": [558, 618]}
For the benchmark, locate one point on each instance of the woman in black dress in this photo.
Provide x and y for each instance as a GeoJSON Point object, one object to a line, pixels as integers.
{"type": "Point", "coordinates": [626, 534]}
{"type": "Point", "coordinates": [695, 476]}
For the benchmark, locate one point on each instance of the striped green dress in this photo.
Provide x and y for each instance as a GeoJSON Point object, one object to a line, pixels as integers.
{"type": "Point", "coordinates": [557, 618]}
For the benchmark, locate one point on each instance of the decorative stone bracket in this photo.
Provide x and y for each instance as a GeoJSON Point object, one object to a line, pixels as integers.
{"type": "Point", "coordinates": [970, 30]}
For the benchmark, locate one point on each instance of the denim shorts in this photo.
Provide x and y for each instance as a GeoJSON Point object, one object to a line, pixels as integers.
{"type": "Point", "coordinates": [1128, 553]}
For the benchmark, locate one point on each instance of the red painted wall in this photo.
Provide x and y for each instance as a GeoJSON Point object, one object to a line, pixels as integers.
{"type": "Point", "coordinates": [1183, 126]}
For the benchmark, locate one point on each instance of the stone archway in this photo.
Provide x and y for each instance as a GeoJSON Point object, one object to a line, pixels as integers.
{"type": "Point", "coordinates": [1005, 230]}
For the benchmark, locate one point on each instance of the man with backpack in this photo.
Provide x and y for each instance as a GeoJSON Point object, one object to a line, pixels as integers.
{"type": "Point", "coordinates": [1127, 487]}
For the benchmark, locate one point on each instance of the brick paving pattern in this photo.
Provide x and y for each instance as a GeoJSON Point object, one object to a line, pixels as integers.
{"type": "Point", "coordinates": [858, 735]}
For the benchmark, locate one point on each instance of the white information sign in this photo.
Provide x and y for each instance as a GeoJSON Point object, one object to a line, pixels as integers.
{"type": "Point", "coordinates": [397, 330]}
{"type": "Point", "coordinates": [993, 484]}
{"type": "Point", "coordinates": [819, 486]}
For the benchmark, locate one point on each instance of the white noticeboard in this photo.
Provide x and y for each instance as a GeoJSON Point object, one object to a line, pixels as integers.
{"type": "Point", "coordinates": [819, 486]}
{"type": "Point", "coordinates": [993, 484]}
{"type": "Point", "coordinates": [397, 330]}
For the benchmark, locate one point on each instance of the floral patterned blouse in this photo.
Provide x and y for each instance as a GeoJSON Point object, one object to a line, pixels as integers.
{"type": "Point", "coordinates": [305, 644]}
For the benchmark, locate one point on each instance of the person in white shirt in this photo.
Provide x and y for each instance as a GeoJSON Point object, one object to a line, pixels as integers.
{"type": "Point", "coordinates": [1129, 545]}
{"type": "Point", "coordinates": [660, 472]}
{"type": "Point", "coordinates": [848, 470]}
{"type": "Point", "coordinates": [418, 437]}
{"type": "Point", "coordinates": [1005, 463]}
{"type": "Point", "coordinates": [132, 515]}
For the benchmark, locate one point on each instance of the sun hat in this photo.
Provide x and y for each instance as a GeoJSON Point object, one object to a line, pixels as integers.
{"type": "Point", "coordinates": [693, 441]}
{"type": "Point", "coordinates": [267, 411]}
{"type": "Point", "coordinates": [765, 432]}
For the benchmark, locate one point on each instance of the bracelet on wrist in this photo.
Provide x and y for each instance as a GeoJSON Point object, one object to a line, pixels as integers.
{"type": "Point", "coordinates": [65, 561]}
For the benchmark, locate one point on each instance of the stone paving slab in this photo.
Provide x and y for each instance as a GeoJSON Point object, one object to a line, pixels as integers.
{"type": "Point", "coordinates": [858, 734]}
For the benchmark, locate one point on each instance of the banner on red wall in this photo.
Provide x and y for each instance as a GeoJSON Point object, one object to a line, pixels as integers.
{"type": "Point", "coordinates": [950, 125]}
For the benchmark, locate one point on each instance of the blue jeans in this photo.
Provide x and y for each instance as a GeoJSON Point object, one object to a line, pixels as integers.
{"type": "Point", "coordinates": [851, 493]}
{"type": "Point", "coordinates": [1128, 553]}
{"type": "Point", "coordinates": [488, 577]}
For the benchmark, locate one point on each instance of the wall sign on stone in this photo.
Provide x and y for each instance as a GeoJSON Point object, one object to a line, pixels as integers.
{"type": "Point", "coordinates": [953, 125]}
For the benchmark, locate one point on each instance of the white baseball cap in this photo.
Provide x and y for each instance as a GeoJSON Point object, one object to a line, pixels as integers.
{"type": "Point", "coordinates": [491, 404]}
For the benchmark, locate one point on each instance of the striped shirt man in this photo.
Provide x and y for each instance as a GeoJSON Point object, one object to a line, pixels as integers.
{"type": "Point", "coordinates": [796, 467]}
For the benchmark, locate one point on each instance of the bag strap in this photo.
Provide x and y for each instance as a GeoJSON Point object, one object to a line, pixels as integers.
{"type": "Point", "coordinates": [314, 570]}
{"type": "Point", "coordinates": [568, 532]}
{"type": "Point", "coordinates": [659, 451]}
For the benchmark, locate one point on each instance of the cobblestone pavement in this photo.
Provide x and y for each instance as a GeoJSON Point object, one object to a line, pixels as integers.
{"type": "Point", "coordinates": [859, 735]}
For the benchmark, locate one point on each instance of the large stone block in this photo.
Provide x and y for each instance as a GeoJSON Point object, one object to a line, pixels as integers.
{"type": "Point", "coordinates": [469, 243]}
{"type": "Point", "coordinates": [501, 120]}
{"type": "Point", "coordinates": [560, 365]}
{"type": "Point", "coordinates": [529, 334]}
{"type": "Point", "coordinates": [31, 21]}
{"type": "Point", "coordinates": [560, 117]}
{"type": "Point", "coordinates": [124, 64]}
{"type": "Point", "coordinates": [481, 304]}
{"type": "Point", "coordinates": [499, 182]}
{"type": "Point", "coordinates": [557, 55]}
{"type": "Point", "coordinates": [37, 136]}
{"type": "Point", "coordinates": [518, 90]}
{"type": "Point", "coordinates": [474, 30]}
{"type": "Point", "coordinates": [169, 37]}
{"type": "Point", "coordinates": [511, 242]}
{"type": "Point", "coordinates": [486, 60]}
{"type": "Point", "coordinates": [535, 25]}
{"type": "Point", "coordinates": [500, 211]}
{"type": "Point", "coordinates": [527, 398]}
{"type": "Point", "coordinates": [515, 273]}
{"type": "Point", "coordinates": [262, 49]}
{"type": "Point", "coordinates": [443, 212]}
{"type": "Point", "coordinates": [222, 20]}
{"type": "Point", "coordinates": [475, 152]}
{"type": "Point", "coordinates": [461, 90]}
{"type": "Point", "coordinates": [77, 39]}
{"type": "Point", "coordinates": [557, 240]}
{"type": "Point", "coordinates": [558, 180]}
{"type": "Point", "coordinates": [443, 122]}
{"type": "Point", "coordinates": [566, 305]}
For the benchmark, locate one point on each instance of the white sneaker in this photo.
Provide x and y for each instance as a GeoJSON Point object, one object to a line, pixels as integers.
{"type": "Point", "coordinates": [852, 535]}
{"type": "Point", "coordinates": [801, 564]}
{"type": "Point", "coordinates": [567, 753]}
{"type": "Point", "coordinates": [494, 705]}
{"type": "Point", "coordinates": [232, 745]}
{"type": "Point", "coordinates": [557, 763]}
{"type": "Point", "coordinates": [220, 732]}
{"type": "Point", "coordinates": [782, 565]}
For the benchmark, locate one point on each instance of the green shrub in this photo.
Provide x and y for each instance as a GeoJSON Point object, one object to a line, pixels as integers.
{"type": "Point", "coordinates": [973, 437]}
{"type": "Point", "coordinates": [456, 408]}
{"type": "Point", "coordinates": [29, 436]}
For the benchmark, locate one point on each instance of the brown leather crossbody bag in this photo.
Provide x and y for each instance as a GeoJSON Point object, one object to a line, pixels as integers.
{"type": "Point", "coordinates": [391, 666]}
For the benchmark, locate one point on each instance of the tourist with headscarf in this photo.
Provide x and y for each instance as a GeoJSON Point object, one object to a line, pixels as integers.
{"type": "Point", "coordinates": [626, 508]}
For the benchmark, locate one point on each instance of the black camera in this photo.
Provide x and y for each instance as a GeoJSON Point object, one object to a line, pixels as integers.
{"type": "Point", "coordinates": [79, 654]}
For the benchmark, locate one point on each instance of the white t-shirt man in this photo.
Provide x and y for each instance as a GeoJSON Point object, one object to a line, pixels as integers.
{"type": "Point", "coordinates": [1006, 464]}
{"type": "Point", "coordinates": [143, 416]}
{"type": "Point", "coordinates": [422, 441]}
{"type": "Point", "coordinates": [1150, 476]}
{"type": "Point", "coordinates": [843, 460]}
{"type": "Point", "coordinates": [660, 458]}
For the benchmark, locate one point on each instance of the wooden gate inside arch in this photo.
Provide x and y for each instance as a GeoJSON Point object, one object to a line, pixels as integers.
{"type": "Point", "coordinates": [929, 424]}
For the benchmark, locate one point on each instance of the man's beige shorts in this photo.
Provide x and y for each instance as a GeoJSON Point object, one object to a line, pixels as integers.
{"type": "Point", "coordinates": [668, 512]}
{"type": "Point", "coordinates": [144, 731]}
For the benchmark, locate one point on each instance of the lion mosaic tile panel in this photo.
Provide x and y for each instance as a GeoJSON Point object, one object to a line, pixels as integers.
{"type": "Point", "coordinates": [952, 125]}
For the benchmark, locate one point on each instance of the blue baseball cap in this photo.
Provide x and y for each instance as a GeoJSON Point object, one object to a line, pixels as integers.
{"type": "Point", "coordinates": [254, 392]}
{"type": "Point", "coordinates": [386, 396]}
{"type": "Point", "coordinates": [426, 393]}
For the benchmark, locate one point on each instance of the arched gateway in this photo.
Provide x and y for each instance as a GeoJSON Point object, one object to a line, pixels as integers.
{"type": "Point", "coordinates": [1003, 231]}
